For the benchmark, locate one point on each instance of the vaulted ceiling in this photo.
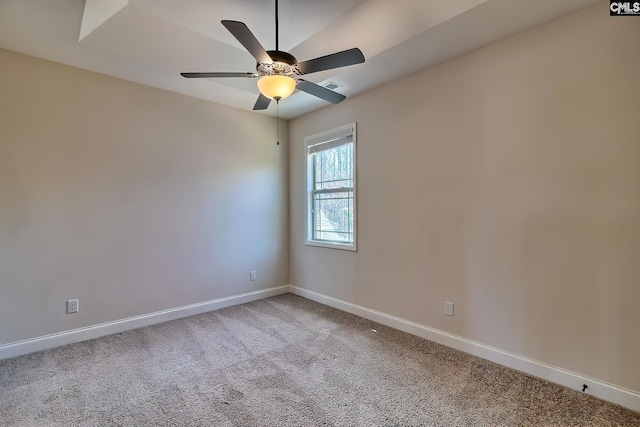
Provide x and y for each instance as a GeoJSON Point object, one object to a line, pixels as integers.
{"type": "Point", "coordinates": [152, 41]}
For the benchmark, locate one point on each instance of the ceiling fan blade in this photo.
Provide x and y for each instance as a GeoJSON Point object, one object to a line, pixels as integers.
{"type": "Point", "coordinates": [320, 92]}
{"type": "Point", "coordinates": [262, 103]}
{"type": "Point", "coordinates": [212, 75]}
{"type": "Point", "coordinates": [335, 60]}
{"type": "Point", "coordinates": [246, 38]}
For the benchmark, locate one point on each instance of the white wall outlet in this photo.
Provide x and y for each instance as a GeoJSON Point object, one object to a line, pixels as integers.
{"type": "Point", "coordinates": [73, 305]}
{"type": "Point", "coordinates": [252, 275]}
{"type": "Point", "coordinates": [448, 308]}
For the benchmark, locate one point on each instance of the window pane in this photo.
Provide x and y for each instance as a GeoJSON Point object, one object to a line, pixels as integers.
{"type": "Point", "coordinates": [334, 168]}
{"type": "Point", "coordinates": [333, 216]}
{"type": "Point", "coordinates": [333, 211]}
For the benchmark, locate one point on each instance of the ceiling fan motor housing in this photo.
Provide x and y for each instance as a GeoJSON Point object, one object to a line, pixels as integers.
{"type": "Point", "coordinates": [283, 64]}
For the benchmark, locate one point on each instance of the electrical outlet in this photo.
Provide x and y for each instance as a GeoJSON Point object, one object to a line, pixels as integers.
{"type": "Point", "coordinates": [252, 276]}
{"type": "Point", "coordinates": [448, 308]}
{"type": "Point", "coordinates": [73, 305]}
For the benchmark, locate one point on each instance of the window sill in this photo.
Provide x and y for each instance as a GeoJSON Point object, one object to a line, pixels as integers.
{"type": "Point", "coordinates": [344, 247]}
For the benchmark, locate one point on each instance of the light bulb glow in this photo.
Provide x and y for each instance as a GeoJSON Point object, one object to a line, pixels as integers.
{"type": "Point", "coordinates": [276, 86]}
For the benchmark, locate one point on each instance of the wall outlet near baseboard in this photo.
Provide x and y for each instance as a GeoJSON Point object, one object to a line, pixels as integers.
{"type": "Point", "coordinates": [73, 305]}
{"type": "Point", "coordinates": [448, 308]}
{"type": "Point", "coordinates": [252, 275]}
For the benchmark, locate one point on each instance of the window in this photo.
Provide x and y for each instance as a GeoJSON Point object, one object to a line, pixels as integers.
{"type": "Point", "coordinates": [331, 188]}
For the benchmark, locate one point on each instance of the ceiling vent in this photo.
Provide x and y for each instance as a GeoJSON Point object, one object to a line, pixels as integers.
{"type": "Point", "coordinates": [331, 85]}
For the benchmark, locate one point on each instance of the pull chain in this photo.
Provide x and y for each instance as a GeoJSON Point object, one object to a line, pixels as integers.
{"type": "Point", "coordinates": [278, 98]}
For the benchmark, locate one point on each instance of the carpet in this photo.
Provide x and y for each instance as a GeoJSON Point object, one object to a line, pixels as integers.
{"type": "Point", "coordinates": [281, 361]}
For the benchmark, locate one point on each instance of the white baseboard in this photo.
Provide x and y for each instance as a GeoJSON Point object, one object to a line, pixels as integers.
{"type": "Point", "coordinates": [89, 332]}
{"type": "Point", "coordinates": [603, 390]}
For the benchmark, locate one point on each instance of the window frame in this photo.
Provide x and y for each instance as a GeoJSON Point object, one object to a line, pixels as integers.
{"type": "Point", "coordinates": [314, 140]}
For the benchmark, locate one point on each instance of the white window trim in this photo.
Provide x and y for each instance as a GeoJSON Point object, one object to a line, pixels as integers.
{"type": "Point", "coordinates": [313, 140]}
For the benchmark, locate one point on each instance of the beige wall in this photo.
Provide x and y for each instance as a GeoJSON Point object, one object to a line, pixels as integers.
{"type": "Point", "coordinates": [130, 198]}
{"type": "Point", "coordinates": [507, 181]}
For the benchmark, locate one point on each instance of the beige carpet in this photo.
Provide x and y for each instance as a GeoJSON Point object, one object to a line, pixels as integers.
{"type": "Point", "coordinates": [281, 361]}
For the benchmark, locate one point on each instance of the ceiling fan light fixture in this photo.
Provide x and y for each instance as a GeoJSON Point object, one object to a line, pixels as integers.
{"type": "Point", "coordinates": [276, 86]}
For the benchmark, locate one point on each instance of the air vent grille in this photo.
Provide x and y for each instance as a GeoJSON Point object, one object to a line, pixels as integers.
{"type": "Point", "coordinates": [331, 85]}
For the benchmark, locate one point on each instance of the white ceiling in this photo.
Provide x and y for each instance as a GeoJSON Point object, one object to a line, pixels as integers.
{"type": "Point", "coordinates": [152, 41]}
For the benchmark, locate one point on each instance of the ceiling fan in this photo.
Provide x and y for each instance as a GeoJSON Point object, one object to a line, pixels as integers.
{"type": "Point", "coordinates": [279, 71]}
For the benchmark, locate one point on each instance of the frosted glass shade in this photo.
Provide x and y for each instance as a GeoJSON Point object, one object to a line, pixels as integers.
{"type": "Point", "coordinates": [276, 87]}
